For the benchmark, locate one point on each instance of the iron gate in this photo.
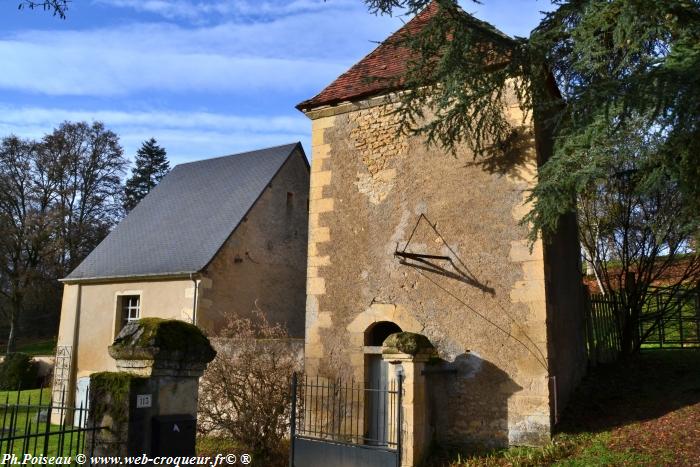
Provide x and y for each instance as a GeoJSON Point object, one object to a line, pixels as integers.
{"type": "Point", "coordinates": [345, 425]}
{"type": "Point", "coordinates": [671, 318]}
{"type": "Point", "coordinates": [38, 423]}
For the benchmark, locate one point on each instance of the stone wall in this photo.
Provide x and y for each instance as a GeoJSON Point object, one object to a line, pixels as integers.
{"type": "Point", "coordinates": [293, 348]}
{"type": "Point", "coordinates": [262, 265]}
{"type": "Point", "coordinates": [567, 339]}
{"type": "Point", "coordinates": [485, 311]}
{"type": "Point", "coordinates": [564, 284]}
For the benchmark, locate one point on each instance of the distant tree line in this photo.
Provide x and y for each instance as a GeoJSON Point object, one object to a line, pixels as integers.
{"type": "Point", "coordinates": [59, 197]}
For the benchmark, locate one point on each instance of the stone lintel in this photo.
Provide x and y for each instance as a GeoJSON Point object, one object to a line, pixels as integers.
{"type": "Point", "coordinates": [406, 357]}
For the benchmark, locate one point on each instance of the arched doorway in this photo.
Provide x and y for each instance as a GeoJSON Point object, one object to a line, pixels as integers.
{"type": "Point", "coordinates": [377, 332]}
{"type": "Point", "coordinates": [377, 382]}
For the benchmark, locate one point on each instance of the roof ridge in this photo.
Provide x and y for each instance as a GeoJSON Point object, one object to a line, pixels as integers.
{"type": "Point", "coordinates": [383, 64]}
{"type": "Point", "coordinates": [291, 145]}
{"type": "Point", "coordinates": [182, 223]}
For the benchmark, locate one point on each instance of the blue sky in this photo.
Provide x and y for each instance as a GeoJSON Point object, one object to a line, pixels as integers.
{"type": "Point", "coordinates": [205, 78]}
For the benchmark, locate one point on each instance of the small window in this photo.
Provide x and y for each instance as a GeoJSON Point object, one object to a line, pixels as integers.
{"type": "Point", "coordinates": [130, 308]}
{"type": "Point", "coordinates": [290, 199]}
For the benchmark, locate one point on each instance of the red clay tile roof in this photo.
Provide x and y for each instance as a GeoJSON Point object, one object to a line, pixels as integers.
{"type": "Point", "coordinates": [374, 73]}
{"type": "Point", "coordinates": [378, 72]}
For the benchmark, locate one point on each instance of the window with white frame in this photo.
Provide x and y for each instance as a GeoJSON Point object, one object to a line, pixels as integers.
{"type": "Point", "coordinates": [130, 308]}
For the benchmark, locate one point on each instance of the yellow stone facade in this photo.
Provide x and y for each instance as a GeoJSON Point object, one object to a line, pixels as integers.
{"type": "Point", "coordinates": [369, 189]}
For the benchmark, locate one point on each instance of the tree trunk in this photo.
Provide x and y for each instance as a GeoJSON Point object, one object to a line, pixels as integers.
{"type": "Point", "coordinates": [12, 338]}
{"type": "Point", "coordinates": [14, 327]}
{"type": "Point", "coordinates": [627, 338]}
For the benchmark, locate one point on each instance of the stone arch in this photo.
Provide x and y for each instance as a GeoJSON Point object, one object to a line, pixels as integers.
{"type": "Point", "coordinates": [396, 314]}
{"type": "Point", "coordinates": [377, 312]}
{"type": "Point", "coordinates": [375, 323]}
{"type": "Point", "coordinates": [378, 331]}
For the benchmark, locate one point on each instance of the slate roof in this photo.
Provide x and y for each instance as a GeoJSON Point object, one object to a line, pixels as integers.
{"type": "Point", "coordinates": [181, 224]}
{"type": "Point", "coordinates": [377, 73]}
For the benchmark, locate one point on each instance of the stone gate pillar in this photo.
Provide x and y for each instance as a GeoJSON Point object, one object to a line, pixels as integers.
{"type": "Point", "coordinates": [159, 362]}
{"type": "Point", "coordinates": [407, 354]}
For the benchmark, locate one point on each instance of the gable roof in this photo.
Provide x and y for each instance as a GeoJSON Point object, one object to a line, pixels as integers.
{"type": "Point", "coordinates": [183, 222]}
{"type": "Point", "coordinates": [377, 72]}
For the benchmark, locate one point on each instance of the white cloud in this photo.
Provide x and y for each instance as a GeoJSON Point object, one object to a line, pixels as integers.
{"type": "Point", "coordinates": [163, 119]}
{"type": "Point", "coordinates": [83, 71]}
{"type": "Point", "coordinates": [303, 52]}
{"type": "Point", "coordinates": [186, 135]}
{"type": "Point", "coordinates": [213, 10]}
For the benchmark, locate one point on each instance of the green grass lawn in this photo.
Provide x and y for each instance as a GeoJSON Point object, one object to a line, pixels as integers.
{"type": "Point", "coordinates": [641, 412]}
{"type": "Point", "coordinates": [20, 411]}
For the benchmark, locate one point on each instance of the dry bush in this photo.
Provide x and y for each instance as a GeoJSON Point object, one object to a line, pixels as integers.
{"type": "Point", "coordinates": [245, 391]}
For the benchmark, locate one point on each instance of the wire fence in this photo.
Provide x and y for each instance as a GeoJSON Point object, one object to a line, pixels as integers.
{"type": "Point", "coordinates": [670, 318]}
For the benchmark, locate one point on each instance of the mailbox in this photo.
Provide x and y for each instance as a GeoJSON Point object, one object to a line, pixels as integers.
{"type": "Point", "coordinates": [173, 435]}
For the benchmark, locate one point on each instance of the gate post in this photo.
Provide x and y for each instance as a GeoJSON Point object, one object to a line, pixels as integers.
{"type": "Point", "coordinates": [407, 353]}
{"type": "Point", "coordinates": [293, 420]}
{"type": "Point", "coordinates": [155, 391]}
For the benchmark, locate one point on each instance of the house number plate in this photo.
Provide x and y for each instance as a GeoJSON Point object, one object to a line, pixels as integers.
{"type": "Point", "coordinates": [143, 401]}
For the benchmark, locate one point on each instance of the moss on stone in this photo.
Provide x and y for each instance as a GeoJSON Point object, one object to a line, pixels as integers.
{"type": "Point", "coordinates": [408, 343]}
{"type": "Point", "coordinates": [110, 393]}
{"type": "Point", "coordinates": [156, 335]}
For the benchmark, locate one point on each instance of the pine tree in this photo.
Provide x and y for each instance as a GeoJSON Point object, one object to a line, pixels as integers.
{"type": "Point", "coordinates": [151, 166]}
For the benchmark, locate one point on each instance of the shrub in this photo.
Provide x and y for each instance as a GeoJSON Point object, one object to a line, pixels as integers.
{"type": "Point", "coordinates": [18, 371]}
{"type": "Point", "coordinates": [244, 393]}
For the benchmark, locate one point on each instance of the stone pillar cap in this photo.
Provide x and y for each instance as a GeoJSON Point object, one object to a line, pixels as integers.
{"type": "Point", "coordinates": [162, 340]}
{"type": "Point", "coordinates": [409, 343]}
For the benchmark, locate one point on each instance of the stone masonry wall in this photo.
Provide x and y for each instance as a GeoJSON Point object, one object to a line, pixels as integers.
{"type": "Point", "coordinates": [262, 265]}
{"type": "Point", "coordinates": [485, 312]}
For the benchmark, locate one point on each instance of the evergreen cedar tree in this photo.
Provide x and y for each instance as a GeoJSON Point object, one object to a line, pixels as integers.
{"type": "Point", "coordinates": [56, 7]}
{"type": "Point", "coordinates": [592, 72]}
{"type": "Point", "coordinates": [151, 165]}
{"type": "Point", "coordinates": [613, 84]}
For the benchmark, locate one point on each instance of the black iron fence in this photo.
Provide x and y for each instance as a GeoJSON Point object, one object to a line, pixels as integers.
{"type": "Point", "coordinates": [39, 423]}
{"type": "Point", "coordinates": [337, 423]}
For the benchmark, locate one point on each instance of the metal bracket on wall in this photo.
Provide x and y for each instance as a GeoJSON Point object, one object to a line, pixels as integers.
{"type": "Point", "coordinates": [438, 264]}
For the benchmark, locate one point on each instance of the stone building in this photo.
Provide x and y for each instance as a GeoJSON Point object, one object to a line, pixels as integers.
{"type": "Point", "coordinates": [216, 237]}
{"type": "Point", "coordinates": [406, 237]}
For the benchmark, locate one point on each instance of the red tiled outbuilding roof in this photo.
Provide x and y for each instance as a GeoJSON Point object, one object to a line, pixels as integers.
{"type": "Point", "coordinates": [381, 70]}
{"type": "Point", "coordinates": [376, 72]}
